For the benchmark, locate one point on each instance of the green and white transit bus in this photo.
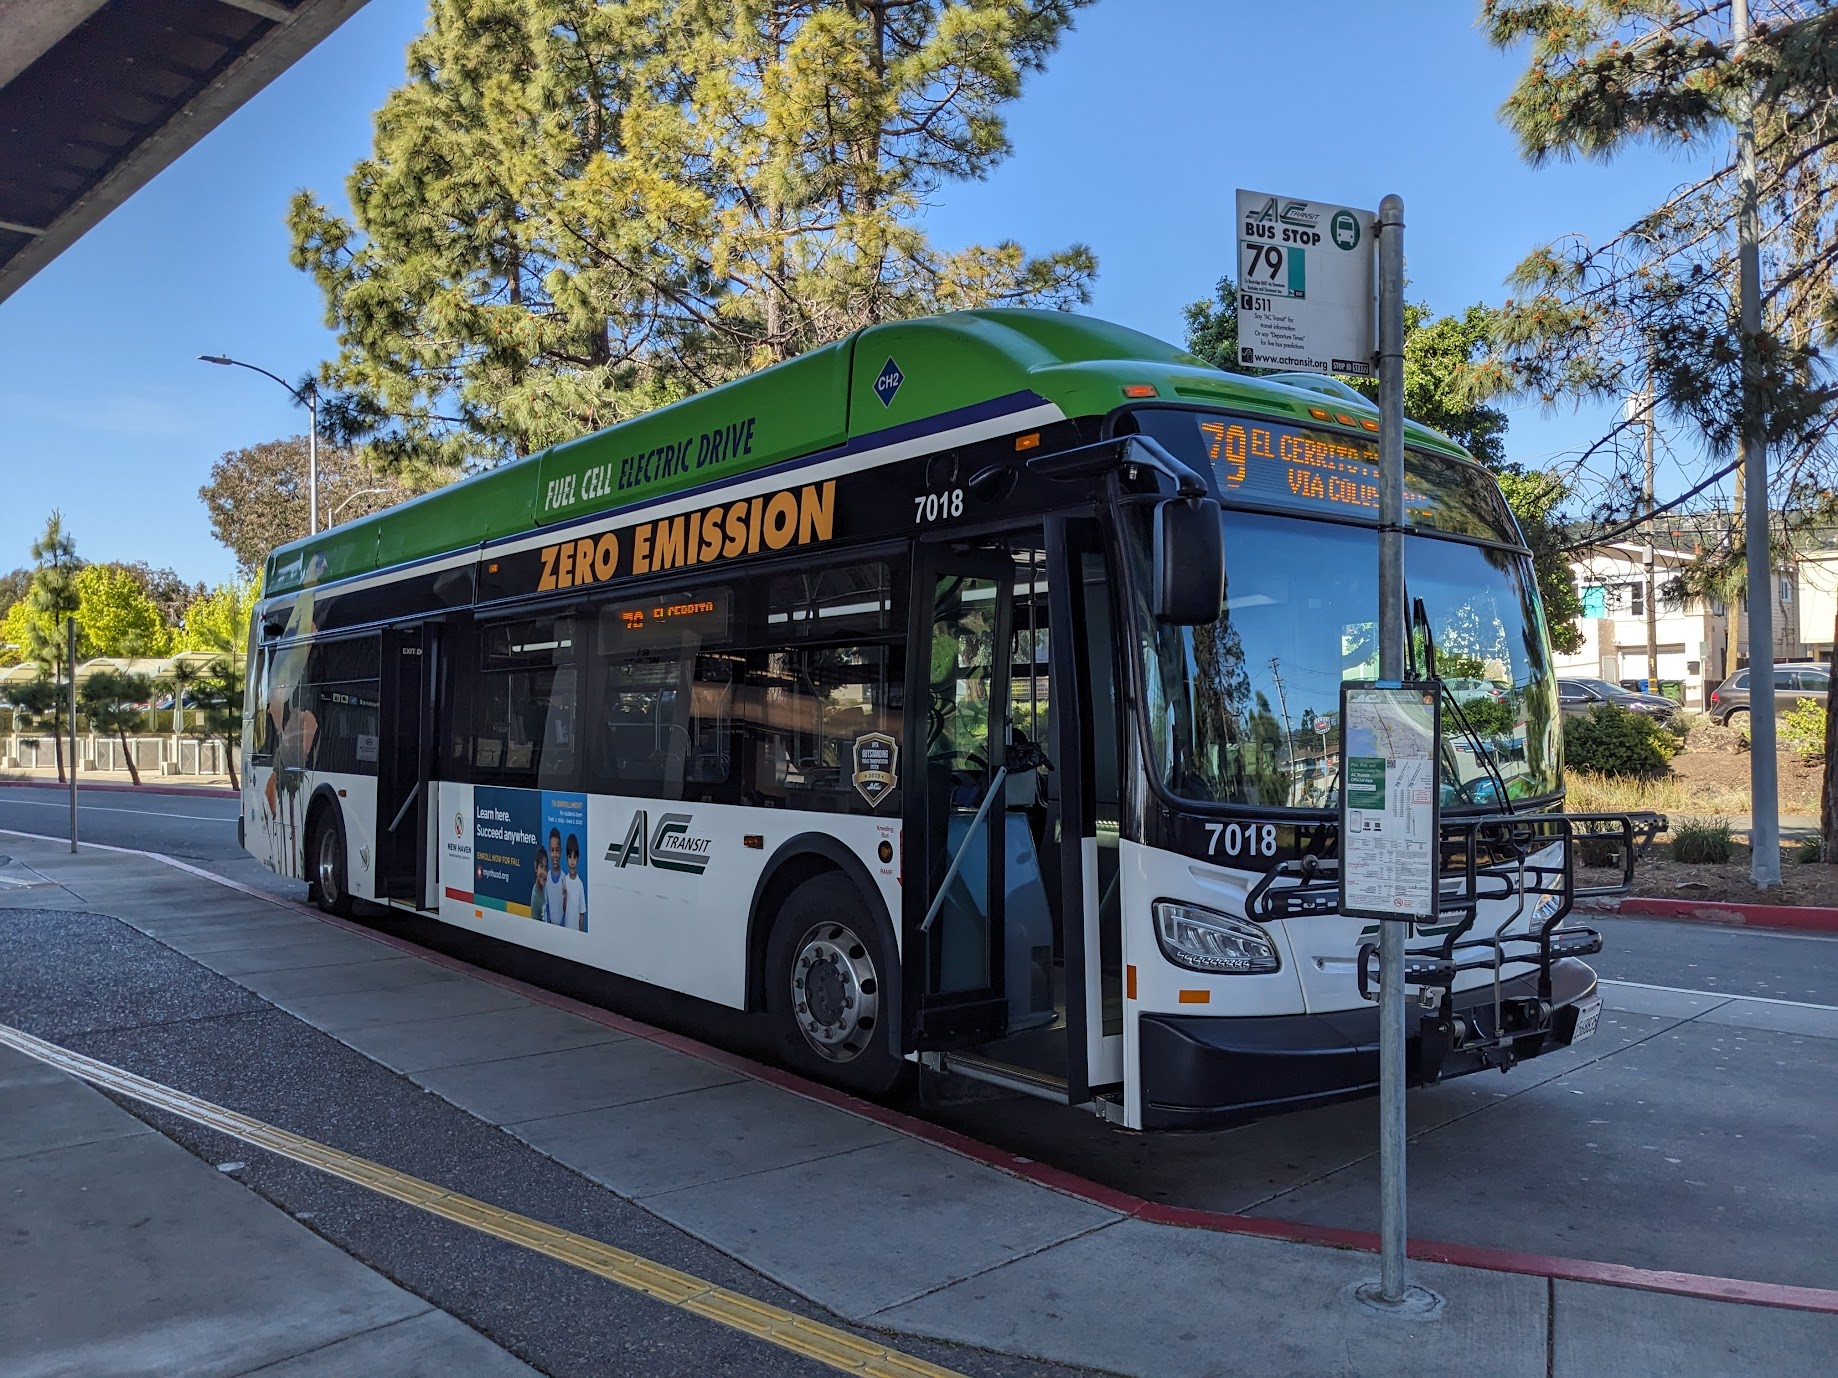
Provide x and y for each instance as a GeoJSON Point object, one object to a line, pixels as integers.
{"type": "Point", "coordinates": [964, 692]}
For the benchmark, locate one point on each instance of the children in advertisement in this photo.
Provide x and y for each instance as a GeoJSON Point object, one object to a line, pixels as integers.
{"type": "Point", "coordinates": [528, 846]}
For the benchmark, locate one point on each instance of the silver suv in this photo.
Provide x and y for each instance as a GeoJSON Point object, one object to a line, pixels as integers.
{"type": "Point", "coordinates": [1793, 684]}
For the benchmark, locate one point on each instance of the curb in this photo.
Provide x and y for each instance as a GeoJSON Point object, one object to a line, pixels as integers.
{"type": "Point", "coordinates": [1707, 1287]}
{"type": "Point", "coordinates": [1800, 917]}
{"type": "Point", "coordinates": [184, 791]}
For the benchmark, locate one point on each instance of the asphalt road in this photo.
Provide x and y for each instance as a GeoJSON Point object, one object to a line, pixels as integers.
{"type": "Point", "coordinates": [199, 828]}
{"type": "Point", "coordinates": [1625, 1149]}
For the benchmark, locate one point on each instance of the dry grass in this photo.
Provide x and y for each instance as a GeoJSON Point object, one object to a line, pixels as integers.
{"type": "Point", "coordinates": [1591, 793]}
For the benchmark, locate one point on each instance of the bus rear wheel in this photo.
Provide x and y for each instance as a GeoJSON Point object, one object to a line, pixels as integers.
{"type": "Point", "coordinates": [326, 851]}
{"type": "Point", "coordinates": [826, 963]}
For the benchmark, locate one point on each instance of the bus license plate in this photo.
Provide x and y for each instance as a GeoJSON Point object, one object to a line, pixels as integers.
{"type": "Point", "coordinates": [1588, 1015]}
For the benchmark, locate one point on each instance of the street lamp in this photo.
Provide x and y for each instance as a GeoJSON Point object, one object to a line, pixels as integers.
{"type": "Point", "coordinates": [332, 516]}
{"type": "Point", "coordinates": [311, 402]}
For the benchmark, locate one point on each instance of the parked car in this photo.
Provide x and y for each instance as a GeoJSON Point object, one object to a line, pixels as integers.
{"type": "Point", "coordinates": [1464, 689]}
{"type": "Point", "coordinates": [1793, 684]}
{"type": "Point", "coordinates": [1576, 696]}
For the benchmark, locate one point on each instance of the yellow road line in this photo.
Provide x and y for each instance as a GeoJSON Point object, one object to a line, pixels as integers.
{"type": "Point", "coordinates": [827, 1345]}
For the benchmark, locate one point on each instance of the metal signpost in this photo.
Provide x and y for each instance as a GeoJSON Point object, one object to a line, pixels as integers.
{"type": "Point", "coordinates": [70, 668]}
{"type": "Point", "coordinates": [1306, 301]}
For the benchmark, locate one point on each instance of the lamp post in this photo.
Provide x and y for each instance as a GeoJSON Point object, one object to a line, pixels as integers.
{"type": "Point", "coordinates": [332, 516]}
{"type": "Point", "coordinates": [310, 400]}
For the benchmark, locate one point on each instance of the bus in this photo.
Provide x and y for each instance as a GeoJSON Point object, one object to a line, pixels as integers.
{"type": "Point", "coordinates": [964, 693]}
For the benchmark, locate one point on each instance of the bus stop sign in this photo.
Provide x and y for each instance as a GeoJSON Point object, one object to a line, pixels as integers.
{"type": "Point", "coordinates": [1305, 285]}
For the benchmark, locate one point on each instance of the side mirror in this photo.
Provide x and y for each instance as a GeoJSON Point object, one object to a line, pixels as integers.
{"type": "Point", "coordinates": [1188, 559]}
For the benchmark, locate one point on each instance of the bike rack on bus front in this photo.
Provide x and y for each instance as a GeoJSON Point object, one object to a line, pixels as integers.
{"type": "Point", "coordinates": [1522, 860]}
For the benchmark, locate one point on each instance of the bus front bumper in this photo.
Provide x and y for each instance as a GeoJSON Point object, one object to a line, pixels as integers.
{"type": "Point", "coordinates": [1207, 1072]}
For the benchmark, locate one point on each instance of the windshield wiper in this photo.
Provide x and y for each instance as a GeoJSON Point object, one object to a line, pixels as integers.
{"type": "Point", "coordinates": [1482, 753]}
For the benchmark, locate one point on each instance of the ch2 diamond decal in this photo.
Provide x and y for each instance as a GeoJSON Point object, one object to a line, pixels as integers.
{"type": "Point", "coordinates": [889, 382]}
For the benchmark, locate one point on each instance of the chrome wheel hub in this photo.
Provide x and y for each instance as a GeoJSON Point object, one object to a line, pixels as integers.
{"type": "Point", "coordinates": [328, 865]}
{"type": "Point", "coordinates": [835, 991]}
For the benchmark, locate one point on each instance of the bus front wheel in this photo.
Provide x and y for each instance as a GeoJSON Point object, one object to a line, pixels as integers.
{"type": "Point", "coordinates": [826, 963]}
{"type": "Point", "coordinates": [327, 866]}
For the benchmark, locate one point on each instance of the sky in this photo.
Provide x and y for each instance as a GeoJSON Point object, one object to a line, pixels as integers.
{"type": "Point", "coordinates": [1133, 141]}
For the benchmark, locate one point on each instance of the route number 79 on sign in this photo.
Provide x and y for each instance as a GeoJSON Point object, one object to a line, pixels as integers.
{"type": "Point", "coordinates": [1305, 285]}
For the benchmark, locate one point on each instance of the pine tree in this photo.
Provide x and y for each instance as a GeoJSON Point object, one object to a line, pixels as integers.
{"type": "Point", "coordinates": [576, 211]}
{"type": "Point", "coordinates": [1657, 306]}
{"type": "Point", "coordinates": [54, 600]}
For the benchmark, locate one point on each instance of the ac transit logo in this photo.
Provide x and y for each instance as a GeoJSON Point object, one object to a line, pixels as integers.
{"type": "Point", "coordinates": [1288, 213]}
{"type": "Point", "coordinates": [670, 847]}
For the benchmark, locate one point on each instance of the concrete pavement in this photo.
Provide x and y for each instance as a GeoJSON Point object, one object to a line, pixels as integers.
{"type": "Point", "coordinates": [836, 1204]}
{"type": "Point", "coordinates": [124, 1254]}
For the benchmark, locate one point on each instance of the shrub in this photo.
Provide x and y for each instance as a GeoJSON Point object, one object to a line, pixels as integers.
{"type": "Point", "coordinates": [1809, 849]}
{"type": "Point", "coordinates": [1802, 730]}
{"type": "Point", "coordinates": [1702, 841]}
{"type": "Point", "coordinates": [1682, 723]}
{"type": "Point", "coordinates": [1613, 741]}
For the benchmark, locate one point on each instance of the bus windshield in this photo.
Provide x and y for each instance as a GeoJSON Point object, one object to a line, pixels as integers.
{"type": "Point", "coordinates": [1246, 711]}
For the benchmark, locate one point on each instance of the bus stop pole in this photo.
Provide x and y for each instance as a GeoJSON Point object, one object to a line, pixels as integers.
{"type": "Point", "coordinates": [70, 668]}
{"type": "Point", "coordinates": [1391, 638]}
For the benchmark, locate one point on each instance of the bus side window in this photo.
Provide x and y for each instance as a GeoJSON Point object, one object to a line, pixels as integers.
{"type": "Point", "coordinates": [523, 705]}
{"type": "Point", "coordinates": [262, 744]}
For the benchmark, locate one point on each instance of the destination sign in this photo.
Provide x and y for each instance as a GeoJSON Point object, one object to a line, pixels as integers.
{"type": "Point", "coordinates": [1270, 463]}
{"type": "Point", "coordinates": [665, 618]}
{"type": "Point", "coordinates": [1288, 465]}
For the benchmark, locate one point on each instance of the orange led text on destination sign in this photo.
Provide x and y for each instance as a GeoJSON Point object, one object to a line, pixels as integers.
{"type": "Point", "coordinates": [1319, 467]}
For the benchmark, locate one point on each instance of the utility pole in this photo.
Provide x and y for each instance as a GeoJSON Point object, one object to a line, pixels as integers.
{"type": "Point", "coordinates": [1282, 703]}
{"type": "Point", "coordinates": [1764, 778]}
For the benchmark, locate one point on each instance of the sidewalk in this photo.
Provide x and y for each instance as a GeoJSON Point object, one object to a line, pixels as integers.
{"type": "Point", "coordinates": [124, 1253]}
{"type": "Point", "coordinates": [151, 782]}
{"type": "Point", "coordinates": [839, 1202]}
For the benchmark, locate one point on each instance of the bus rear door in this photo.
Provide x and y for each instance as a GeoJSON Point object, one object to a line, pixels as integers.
{"type": "Point", "coordinates": [405, 757]}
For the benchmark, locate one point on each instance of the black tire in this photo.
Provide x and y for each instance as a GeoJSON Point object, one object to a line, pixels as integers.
{"type": "Point", "coordinates": [326, 866]}
{"type": "Point", "coordinates": [829, 969]}
{"type": "Point", "coordinates": [1737, 719]}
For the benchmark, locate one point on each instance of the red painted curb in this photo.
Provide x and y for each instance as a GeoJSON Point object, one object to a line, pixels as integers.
{"type": "Point", "coordinates": [1804, 917]}
{"type": "Point", "coordinates": [1708, 1287]}
{"type": "Point", "coordinates": [200, 791]}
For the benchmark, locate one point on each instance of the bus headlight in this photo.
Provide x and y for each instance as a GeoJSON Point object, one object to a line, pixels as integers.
{"type": "Point", "coordinates": [1205, 940]}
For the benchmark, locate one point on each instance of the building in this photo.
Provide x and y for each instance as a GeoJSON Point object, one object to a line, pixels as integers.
{"type": "Point", "coordinates": [1692, 635]}
{"type": "Point", "coordinates": [1816, 582]}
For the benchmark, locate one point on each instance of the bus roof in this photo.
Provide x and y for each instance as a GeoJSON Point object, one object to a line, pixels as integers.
{"type": "Point", "coordinates": [869, 385]}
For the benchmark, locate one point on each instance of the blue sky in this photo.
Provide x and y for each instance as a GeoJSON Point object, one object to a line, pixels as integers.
{"type": "Point", "coordinates": [1132, 141]}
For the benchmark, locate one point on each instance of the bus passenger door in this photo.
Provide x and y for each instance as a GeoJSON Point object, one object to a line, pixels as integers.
{"type": "Point", "coordinates": [404, 758]}
{"type": "Point", "coordinates": [958, 675]}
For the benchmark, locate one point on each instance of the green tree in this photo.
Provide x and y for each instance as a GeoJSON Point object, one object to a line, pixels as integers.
{"type": "Point", "coordinates": [575, 211]}
{"type": "Point", "coordinates": [14, 631]}
{"type": "Point", "coordinates": [36, 703]}
{"type": "Point", "coordinates": [219, 620]}
{"type": "Point", "coordinates": [112, 700]}
{"type": "Point", "coordinates": [168, 592]}
{"type": "Point", "coordinates": [13, 586]}
{"type": "Point", "coordinates": [218, 698]}
{"type": "Point", "coordinates": [257, 497]}
{"type": "Point", "coordinates": [115, 616]}
{"type": "Point", "coordinates": [53, 601]}
{"type": "Point", "coordinates": [1658, 305]}
{"type": "Point", "coordinates": [1444, 387]}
